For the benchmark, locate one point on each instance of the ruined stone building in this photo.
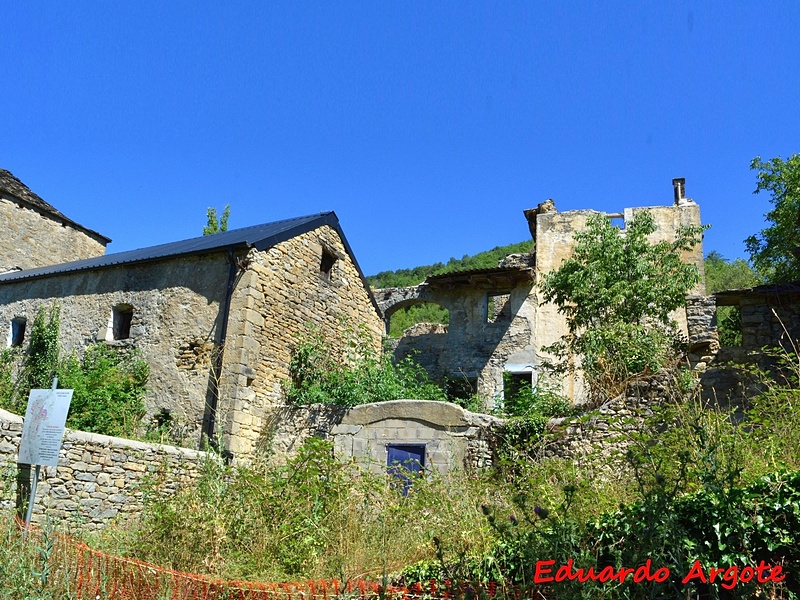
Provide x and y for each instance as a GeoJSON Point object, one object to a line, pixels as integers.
{"type": "Point", "coordinates": [498, 322]}
{"type": "Point", "coordinates": [215, 317]}
{"type": "Point", "coordinates": [35, 234]}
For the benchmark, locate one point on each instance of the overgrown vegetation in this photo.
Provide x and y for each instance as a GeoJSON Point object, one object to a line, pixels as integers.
{"type": "Point", "coordinates": [353, 374]}
{"type": "Point", "coordinates": [109, 382]}
{"type": "Point", "coordinates": [706, 489]}
{"type": "Point", "coordinates": [617, 292]}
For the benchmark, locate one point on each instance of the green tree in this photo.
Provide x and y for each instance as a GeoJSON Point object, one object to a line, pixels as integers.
{"type": "Point", "coordinates": [214, 224]}
{"type": "Point", "coordinates": [617, 292]}
{"type": "Point", "coordinates": [775, 251]}
{"type": "Point", "coordinates": [724, 274]}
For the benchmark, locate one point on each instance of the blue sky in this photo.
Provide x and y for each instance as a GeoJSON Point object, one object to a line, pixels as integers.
{"type": "Point", "coordinates": [427, 127]}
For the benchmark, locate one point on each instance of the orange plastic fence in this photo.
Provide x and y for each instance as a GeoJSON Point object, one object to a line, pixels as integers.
{"type": "Point", "coordinates": [92, 574]}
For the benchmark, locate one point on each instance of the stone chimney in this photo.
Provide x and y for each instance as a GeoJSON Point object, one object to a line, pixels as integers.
{"type": "Point", "coordinates": [679, 186]}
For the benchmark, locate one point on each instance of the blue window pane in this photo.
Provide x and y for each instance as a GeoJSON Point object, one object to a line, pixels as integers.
{"type": "Point", "coordinates": [404, 461]}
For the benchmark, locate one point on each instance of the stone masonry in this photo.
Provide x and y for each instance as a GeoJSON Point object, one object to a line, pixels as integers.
{"type": "Point", "coordinates": [481, 342]}
{"type": "Point", "coordinates": [98, 477]}
{"type": "Point", "coordinates": [217, 327]}
{"type": "Point", "coordinates": [279, 296]}
{"type": "Point", "coordinates": [35, 234]}
{"type": "Point", "coordinates": [454, 438]}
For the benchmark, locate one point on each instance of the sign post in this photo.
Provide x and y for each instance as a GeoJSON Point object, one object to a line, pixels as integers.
{"type": "Point", "coordinates": [42, 432]}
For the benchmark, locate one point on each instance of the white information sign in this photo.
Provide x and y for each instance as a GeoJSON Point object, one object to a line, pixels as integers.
{"type": "Point", "coordinates": [43, 428]}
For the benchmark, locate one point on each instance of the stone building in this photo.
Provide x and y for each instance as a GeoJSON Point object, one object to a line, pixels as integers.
{"type": "Point", "coordinates": [35, 234]}
{"type": "Point", "coordinates": [498, 321]}
{"type": "Point", "coordinates": [215, 317]}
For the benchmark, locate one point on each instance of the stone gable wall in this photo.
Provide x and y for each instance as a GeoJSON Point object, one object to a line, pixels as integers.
{"type": "Point", "coordinates": [98, 477]}
{"type": "Point", "coordinates": [280, 294]}
{"type": "Point", "coordinates": [31, 239]}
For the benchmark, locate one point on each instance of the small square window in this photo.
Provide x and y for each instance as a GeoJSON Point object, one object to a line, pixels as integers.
{"type": "Point", "coordinates": [123, 315]}
{"type": "Point", "coordinates": [17, 334]}
{"type": "Point", "coordinates": [326, 264]}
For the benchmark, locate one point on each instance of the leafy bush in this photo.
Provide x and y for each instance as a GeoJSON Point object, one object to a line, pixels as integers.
{"type": "Point", "coordinates": [109, 386]}
{"type": "Point", "coordinates": [109, 382]}
{"type": "Point", "coordinates": [358, 375]}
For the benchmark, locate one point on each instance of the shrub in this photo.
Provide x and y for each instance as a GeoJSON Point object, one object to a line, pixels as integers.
{"type": "Point", "coordinates": [358, 375]}
{"type": "Point", "coordinates": [109, 386]}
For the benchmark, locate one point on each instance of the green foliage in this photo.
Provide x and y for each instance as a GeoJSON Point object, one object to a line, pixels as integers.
{"type": "Point", "coordinates": [775, 251]}
{"type": "Point", "coordinates": [542, 399]}
{"type": "Point", "coordinates": [8, 359]}
{"type": "Point", "coordinates": [358, 375]}
{"type": "Point", "coordinates": [426, 312]}
{"type": "Point", "coordinates": [36, 367]}
{"type": "Point", "coordinates": [214, 224]}
{"type": "Point", "coordinates": [617, 292]}
{"type": "Point", "coordinates": [312, 517]}
{"type": "Point", "coordinates": [109, 386]}
{"type": "Point", "coordinates": [723, 274]}
{"type": "Point", "coordinates": [41, 356]}
{"type": "Point", "coordinates": [109, 382]}
{"type": "Point", "coordinates": [415, 276]}
{"type": "Point", "coordinates": [27, 565]}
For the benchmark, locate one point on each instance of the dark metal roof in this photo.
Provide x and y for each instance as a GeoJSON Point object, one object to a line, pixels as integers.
{"type": "Point", "coordinates": [14, 187]}
{"type": "Point", "coordinates": [260, 237]}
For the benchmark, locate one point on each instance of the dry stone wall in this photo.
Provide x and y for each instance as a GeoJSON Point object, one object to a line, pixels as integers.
{"type": "Point", "coordinates": [607, 430]}
{"type": "Point", "coordinates": [98, 477]}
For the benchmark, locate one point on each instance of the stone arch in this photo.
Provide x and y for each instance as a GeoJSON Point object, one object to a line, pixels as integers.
{"type": "Point", "coordinates": [391, 300]}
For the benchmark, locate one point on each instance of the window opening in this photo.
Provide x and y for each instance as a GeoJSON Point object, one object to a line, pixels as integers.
{"type": "Point", "coordinates": [17, 331]}
{"type": "Point", "coordinates": [405, 461]}
{"type": "Point", "coordinates": [326, 264]}
{"type": "Point", "coordinates": [498, 306]}
{"type": "Point", "coordinates": [123, 315]}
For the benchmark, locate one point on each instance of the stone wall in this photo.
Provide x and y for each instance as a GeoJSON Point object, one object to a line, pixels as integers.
{"type": "Point", "coordinates": [701, 319]}
{"type": "Point", "coordinates": [454, 438]}
{"type": "Point", "coordinates": [177, 324]}
{"type": "Point", "coordinates": [176, 321]}
{"type": "Point", "coordinates": [771, 318]}
{"type": "Point", "coordinates": [280, 294]}
{"type": "Point", "coordinates": [98, 477]}
{"type": "Point", "coordinates": [608, 429]}
{"type": "Point", "coordinates": [32, 238]}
